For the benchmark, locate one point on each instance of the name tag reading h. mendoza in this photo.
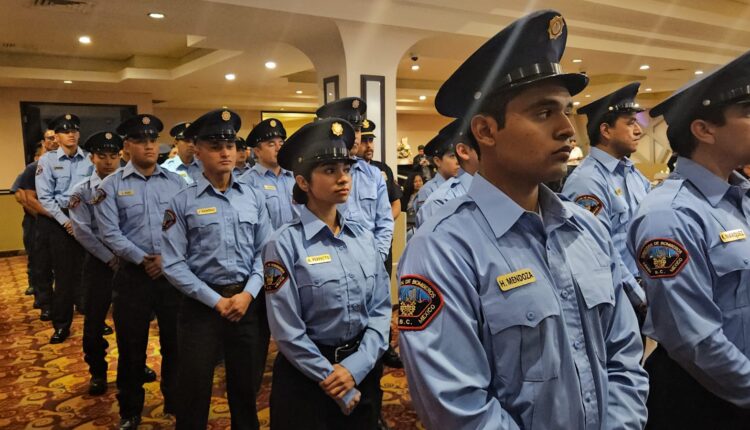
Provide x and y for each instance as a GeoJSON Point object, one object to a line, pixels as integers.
{"type": "Point", "coordinates": [516, 279]}
{"type": "Point", "coordinates": [206, 211]}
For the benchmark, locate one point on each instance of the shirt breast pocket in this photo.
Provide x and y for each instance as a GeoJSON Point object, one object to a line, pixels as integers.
{"type": "Point", "coordinates": [272, 204]}
{"type": "Point", "coordinates": [620, 212]}
{"type": "Point", "coordinates": [247, 223]}
{"type": "Point", "coordinates": [731, 262]}
{"type": "Point", "coordinates": [209, 231]}
{"type": "Point", "coordinates": [368, 195]}
{"type": "Point", "coordinates": [597, 289]}
{"type": "Point", "coordinates": [524, 339]}
{"type": "Point", "coordinates": [320, 290]}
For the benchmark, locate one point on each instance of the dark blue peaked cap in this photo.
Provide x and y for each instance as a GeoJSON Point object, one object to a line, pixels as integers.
{"type": "Point", "coordinates": [526, 51]}
{"type": "Point", "coordinates": [351, 109]}
{"type": "Point", "coordinates": [446, 140]}
{"type": "Point", "coordinates": [178, 131]}
{"type": "Point", "coordinates": [266, 130]}
{"type": "Point", "coordinates": [140, 126]}
{"type": "Point", "coordinates": [64, 123]}
{"type": "Point", "coordinates": [219, 124]}
{"type": "Point", "coordinates": [726, 85]}
{"type": "Point", "coordinates": [620, 101]}
{"type": "Point", "coordinates": [328, 139]}
{"type": "Point", "coordinates": [103, 141]}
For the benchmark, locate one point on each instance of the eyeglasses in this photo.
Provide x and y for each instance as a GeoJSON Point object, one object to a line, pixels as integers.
{"type": "Point", "coordinates": [49, 138]}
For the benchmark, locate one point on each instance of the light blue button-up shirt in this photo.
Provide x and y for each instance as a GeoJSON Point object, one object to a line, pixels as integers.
{"type": "Point", "coordinates": [527, 325]}
{"type": "Point", "coordinates": [129, 210]}
{"type": "Point", "coordinates": [189, 172]}
{"type": "Point", "coordinates": [619, 186]}
{"type": "Point", "coordinates": [368, 204]}
{"type": "Point", "coordinates": [277, 191]}
{"type": "Point", "coordinates": [56, 175]}
{"type": "Point", "coordinates": [215, 238]}
{"type": "Point", "coordinates": [85, 228]}
{"type": "Point", "coordinates": [336, 289]}
{"type": "Point", "coordinates": [698, 283]}
{"type": "Point", "coordinates": [449, 190]}
{"type": "Point", "coordinates": [427, 189]}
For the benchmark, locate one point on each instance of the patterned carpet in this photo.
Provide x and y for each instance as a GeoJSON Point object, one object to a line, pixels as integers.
{"type": "Point", "coordinates": [45, 386]}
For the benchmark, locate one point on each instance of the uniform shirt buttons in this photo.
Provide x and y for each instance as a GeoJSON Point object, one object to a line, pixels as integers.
{"type": "Point", "coordinates": [355, 307]}
{"type": "Point", "coordinates": [565, 294]}
{"type": "Point", "coordinates": [351, 276]}
{"type": "Point", "coordinates": [530, 315]}
{"type": "Point", "coordinates": [746, 261]}
{"type": "Point", "coordinates": [587, 398]}
{"type": "Point", "coordinates": [577, 344]}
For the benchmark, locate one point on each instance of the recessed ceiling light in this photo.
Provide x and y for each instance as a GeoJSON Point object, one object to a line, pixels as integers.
{"type": "Point", "coordinates": [577, 60]}
{"type": "Point", "coordinates": [224, 107]}
{"type": "Point", "coordinates": [67, 82]}
{"type": "Point", "coordinates": [423, 98]}
{"type": "Point", "coordinates": [648, 90]}
{"type": "Point", "coordinates": [645, 67]}
{"type": "Point", "coordinates": [270, 65]}
{"type": "Point", "coordinates": [298, 91]}
{"type": "Point", "coordinates": [282, 108]}
{"type": "Point", "coordinates": [84, 40]}
{"type": "Point", "coordinates": [230, 76]}
{"type": "Point", "coordinates": [587, 95]}
{"type": "Point", "coordinates": [156, 15]}
{"type": "Point", "coordinates": [415, 67]}
{"type": "Point", "coordinates": [576, 103]}
{"type": "Point", "coordinates": [699, 72]}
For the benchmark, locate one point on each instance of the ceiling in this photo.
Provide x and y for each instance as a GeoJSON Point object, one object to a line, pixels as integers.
{"type": "Point", "coordinates": [181, 60]}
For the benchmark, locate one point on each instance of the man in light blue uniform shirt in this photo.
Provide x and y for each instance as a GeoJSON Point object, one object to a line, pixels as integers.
{"type": "Point", "coordinates": [467, 154]}
{"type": "Point", "coordinates": [129, 207]}
{"type": "Point", "coordinates": [184, 164]}
{"type": "Point", "coordinates": [212, 237]}
{"type": "Point", "coordinates": [266, 175]}
{"type": "Point", "coordinates": [690, 238]}
{"type": "Point", "coordinates": [511, 307]}
{"type": "Point", "coordinates": [57, 173]}
{"type": "Point", "coordinates": [606, 183]}
{"type": "Point", "coordinates": [442, 150]}
{"type": "Point", "coordinates": [241, 165]}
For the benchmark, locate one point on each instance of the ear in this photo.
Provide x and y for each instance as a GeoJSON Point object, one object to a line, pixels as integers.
{"type": "Point", "coordinates": [302, 183]}
{"type": "Point", "coordinates": [483, 127]}
{"type": "Point", "coordinates": [462, 151]}
{"type": "Point", "coordinates": [604, 131]}
{"type": "Point", "coordinates": [703, 131]}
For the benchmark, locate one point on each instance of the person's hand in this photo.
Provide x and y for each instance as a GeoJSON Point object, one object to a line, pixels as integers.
{"type": "Point", "coordinates": [114, 263]}
{"type": "Point", "coordinates": [152, 264]}
{"type": "Point", "coordinates": [338, 383]}
{"type": "Point", "coordinates": [238, 306]}
{"type": "Point", "coordinates": [223, 305]}
{"type": "Point", "coordinates": [68, 227]}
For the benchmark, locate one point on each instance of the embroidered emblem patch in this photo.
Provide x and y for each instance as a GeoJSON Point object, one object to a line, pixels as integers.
{"type": "Point", "coordinates": [418, 302]}
{"type": "Point", "coordinates": [274, 276]}
{"type": "Point", "coordinates": [169, 220]}
{"type": "Point", "coordinates": [662, 258]}
{"type": "Point", "coordinates": [39, 169]}
{"type": "Point", "coordinates": [74, 201]}
{"type": "Point", "coordinates": [99, 196]}
{"type": "Point", "coordinates": [590, 202]}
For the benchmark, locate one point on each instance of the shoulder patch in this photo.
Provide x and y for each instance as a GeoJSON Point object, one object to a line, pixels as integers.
{"type": "Point", "coordinates": [662, 258]}
{"type": "Point", "coordinates": [39, 169]}
{"type": "Point", "coordinates": [169, 219]}
{"type": "Point", "coordinates": [99, 196]}
{"type": "Point", "coordinates": [419, 301]}
{"type": "Point", "coordinates": [590, 202]}
{"type": "Point", "coordinates": [74, 201]}
{"type": "Point", "coordinates": [274, 276]}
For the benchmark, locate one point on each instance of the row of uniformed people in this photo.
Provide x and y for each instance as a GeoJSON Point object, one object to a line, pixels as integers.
{"type": "Point", "coordinates": [519, 309]}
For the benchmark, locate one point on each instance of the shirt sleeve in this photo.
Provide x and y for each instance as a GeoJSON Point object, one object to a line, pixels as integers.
{"type": "Point", "coordinates": [446, 366]}
{"type": "Point", "coordinates": [45, 190]}
{"type": "Point", "coordinates": [683, 316]}
{"type": "Point", "coordinates": [383, 220]}
{"type": "Point", "coordinates": [82, 217]}
{"type": "Point", "coordinates": [262, 233]}
{"type": "Point", "coordinates": [107, 217]}
{"type": "Point", "coordinates": [27, 177]}
{"type": "Point", "coordinates": [592, 195]}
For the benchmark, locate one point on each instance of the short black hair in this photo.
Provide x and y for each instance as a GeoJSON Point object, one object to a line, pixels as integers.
{"type": "Point", "coordinates": [682, 140]}
{"type": "Point", "coordinates": [609, 118]}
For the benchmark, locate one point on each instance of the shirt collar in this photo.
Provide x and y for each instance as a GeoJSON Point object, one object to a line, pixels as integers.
{"type": "Point", "coordinates": [262, 170]}
{"type": "Point", "coordinates": [502, 213]}
{"type": "Point", "coordinates": [61, 153]}
{"type": "Point", "coordinates": [204, 185]}
{"type": "Point", "coordinates": [711, 186]}
{"type": "Point", "coordinates": [130, 169]}
{"type": "Point", "coordinates": [95, 180]}
{"type": "Point", "coordinates": [312, 225]}
{"type": "Point", "coordinates": [609, 162]}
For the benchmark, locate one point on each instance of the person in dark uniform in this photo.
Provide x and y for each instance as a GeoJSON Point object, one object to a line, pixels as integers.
{"type": "Point", "coordinates": [212, 237]}
{"type": "Point", "coordinates": [129, 207]}
{"type": "Point", "coordinates": [27, 224]}
{"type": "Point", "coordinates": [422, 165]}
{"type": "Point", "coordinates": [689, 237]}
{"type": "Point", "coordinates": [327, 294]}
{"type": "Point", "coordinates": [56, 174]}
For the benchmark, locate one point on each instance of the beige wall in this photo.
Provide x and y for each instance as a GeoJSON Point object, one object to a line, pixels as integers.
{"type": "Point", "coordinates": [419, 129]}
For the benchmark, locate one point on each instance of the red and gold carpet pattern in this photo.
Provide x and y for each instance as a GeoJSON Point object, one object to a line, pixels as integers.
{"type": "Point", "coordinates": [44, 386]}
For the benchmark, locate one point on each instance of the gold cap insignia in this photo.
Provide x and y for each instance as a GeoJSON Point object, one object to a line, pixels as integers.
{"type": "Point", "coordinates": [556, 26]}
{"type": "Point", "coordinates": [146, 120]}
{"type": "Point", "coordinates": [226, 116]}
{"type": "Point", "coordinates": [68, 117]}
{"type": "Point", "coordinates": [337, 129]}
{"type": "Point", "coordinates": [365, 124]}
{"type": "Point", "coordinates": [299, 160]}
{"type": "Point", "coordinates": [187, 124]}
{"type": "Point", "coordinates": [108, 136]}
{"type": "Point", "coordinates": [355, 104]}
{"type": "Point", "coordinates": [272, 123]}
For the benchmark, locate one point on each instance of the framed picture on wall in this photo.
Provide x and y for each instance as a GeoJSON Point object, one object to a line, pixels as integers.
{"type": "Point", "coordinates": [330, 89]}
{"type": "Point", "coordinates": [373, 93]}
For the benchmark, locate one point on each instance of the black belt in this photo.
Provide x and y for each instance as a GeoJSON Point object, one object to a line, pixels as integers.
{"type": "Point", "coordinates": [337, 354]}
{"type": "Point", "coordinates": [229, 290]}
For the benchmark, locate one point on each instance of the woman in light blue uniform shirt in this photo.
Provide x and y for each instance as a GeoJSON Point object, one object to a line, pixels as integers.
{"type": "Point", "coordinates": [327, 293]}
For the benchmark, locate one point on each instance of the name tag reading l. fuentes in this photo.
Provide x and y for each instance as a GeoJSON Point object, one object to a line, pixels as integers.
{"type": "Point", "coordinates": [732, 235]}
{"type": "Point", "coordinates": [516, 279]}
{"type": "Point", "coordinates": [126, 193]}
{"type": "Point", "coordinates": [269, 187]}
{"type": "Point", "coordinates": [318, 259]}
{"type": "Point", "coordinates": [206, 211]}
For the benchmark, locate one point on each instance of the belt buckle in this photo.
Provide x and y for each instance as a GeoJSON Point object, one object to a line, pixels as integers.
{"type": "Point", "coordinates": [336, 353]}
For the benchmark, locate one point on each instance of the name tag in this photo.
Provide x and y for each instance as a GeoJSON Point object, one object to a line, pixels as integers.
{"type": "Point", "coordinates": [318, 259]}
{"type": "Point", "coordinates": [206, 211]}
{"type": "Point", "coordinates": [516, 279]}
{"type": "Point", "coordinates": [126, 193]}
{"type": "Point", "coordinates": [732, 235]}
{"type": "Point", "coordinates": [269, 187]}
{"type": "Point", "coordinates": [183, 174]}
{"type": "Point", "coordinates": [59, 168]}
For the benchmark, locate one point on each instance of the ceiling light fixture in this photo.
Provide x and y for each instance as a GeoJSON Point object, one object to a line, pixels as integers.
{"type": "Point", "coordinates": [414, 64]}
{"type": "Point", "coordinates": [415, 67]}
{"type": "Point", "coordinates": [270, 65]}
{"type": "Point", "coordinates": [645, 67]}
{"type": "Point", "coordinates": [699, 72]}
{"type": "Point", "coordinates": [576, 103]}
{"type": "Point", "coordinates": [422, 98]}
{"type": "Point", "coordinates": [86, 40]}
{"type": "Point", "coordinates": [230, 76]}
{"type": "Point", "coordinates": [298, 91]}
{"type": "Point", "coordinates": [648, 90]}
{"type": "Point", "coordinates": [156, 15]}
{"type": "Point", "coordinates": [577, 60]}
{"type": "Point", "coordinates": [67, 82]}
{"type": "Point", "coordinates": [587, 95]}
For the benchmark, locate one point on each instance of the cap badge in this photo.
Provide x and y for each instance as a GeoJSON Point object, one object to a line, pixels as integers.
{"type": "Point", "coordinates": [146, 120]}
{"type": "Point", "coordinates": [337, 129]}
{"type": "Point", "coordinates": [187, 124]}
{"type": "Point", "coordinates": [226, 116]}
{"type": "Point", "coordinates": [355, 104]}
{"type": "Point", "coordinates": [108, 136]}
{"type": "Point", "coordinates": [68, 117]}
{"type": "Point", "coordinates": [556, 26]}
{"type": "Point", "coordinates": [365, 124]}
{"type": "Point", "coordinates": [272, 123]}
